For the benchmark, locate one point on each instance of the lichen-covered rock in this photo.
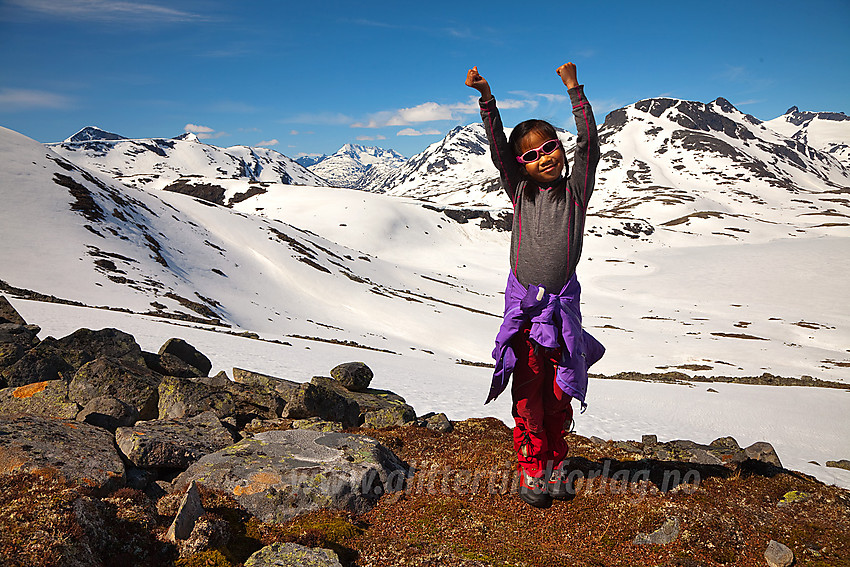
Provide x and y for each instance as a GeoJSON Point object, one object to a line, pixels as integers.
{"type": "Point", "coordinates": [43, 399]}
{"type": "Point", "coordinates": [181, 397]}
{"type": "Point", "coordinates": [133, 384]}
{"type": "Point", "coordinates": [329, 400]}
{"type": "Point", "coordinates": [81, 453]}
{"type": "Point", "coordinates": [108, 413]}
{"type": "Point", "coordinates": [172, 443]}
{"type": "Point", "coordinates": [187, 354]}
{"type": "Point", "coordinates": [389, 416]}
{"type": "Point", "coordinates": [355, 376]}
{"type": "Point", "coordinates": [277, 475]}
{"type": "Point", "coordinates": [270, 383]}
{"type": "Point", "coordinates": [293, 555]}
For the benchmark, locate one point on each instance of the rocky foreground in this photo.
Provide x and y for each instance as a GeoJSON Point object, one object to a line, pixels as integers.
{"type": "Point", "coordinates": [110, 455]}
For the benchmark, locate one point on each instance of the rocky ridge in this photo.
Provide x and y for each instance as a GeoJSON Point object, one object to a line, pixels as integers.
{"type": "Point", "coordinates": [145, 456]}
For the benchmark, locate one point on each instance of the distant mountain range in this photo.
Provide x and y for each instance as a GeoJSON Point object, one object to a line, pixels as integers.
{"type": "Point", "coordinates": [159, 162]}
{"type": "Point", "coordinates": [348, 166]}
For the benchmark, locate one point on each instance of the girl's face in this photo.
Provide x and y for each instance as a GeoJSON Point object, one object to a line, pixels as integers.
{"type": "Point", "coordinates": [547, 168]}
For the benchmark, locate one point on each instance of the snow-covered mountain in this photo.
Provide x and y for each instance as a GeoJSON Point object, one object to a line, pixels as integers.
{"type": "Point", "coordinates": [351, 162]}
{"type": "Point", "coordinates": [159, 162]}
{"type": "Point", "coordinates": [668, 166]}
{"type": "Point", "coordinates": [826, 131]}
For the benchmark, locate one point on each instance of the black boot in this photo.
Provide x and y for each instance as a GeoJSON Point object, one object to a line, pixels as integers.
{"type": "Point", "coordinates": [533, 490]}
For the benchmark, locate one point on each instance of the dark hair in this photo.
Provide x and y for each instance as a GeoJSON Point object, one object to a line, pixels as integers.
{"type": "Point", "coordinates": [526, 127]}
{"type": "Point", "coordinates": [522, 129]}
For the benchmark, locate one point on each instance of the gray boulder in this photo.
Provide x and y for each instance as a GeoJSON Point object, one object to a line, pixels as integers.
{"type": "Point", "coordinates": [24, 335]}
{"type": "Point", "coordinates": [38, 364]}
{"type": "Point", "coordinates": [80, 452]}
{"type": "Point", "coordinates": [764, 452]}
{"type": "Point", "coordinates": [9, 314]}
{"type": "Point", "coordinates": [293, 555]}
{"type": "Point", "coordinates": [133, 384]}
{"type": "Point", "coordinates": [84, 345]}
{"type": "Point", "coordinates": [172, 443]}
{"type": "Point", "coordinates": [180, 397]}
{"type": "Point", "coordinates": [169, 365]}
{"type": "Point", "coordinates": [42, 399]}
{"type": "Point", "coordinates": [667, 533]}
{"type": "Point", "coordinates": [188, 354]}
{"type": "Point", "coordinates": [108, 413]}
{"type": "Point", "coordinates": [355, 376]}
{"type": "Point", "coordinates": [277, 475]}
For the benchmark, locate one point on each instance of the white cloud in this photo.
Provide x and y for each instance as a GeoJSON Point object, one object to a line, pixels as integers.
{"type": "Point", "coordinates": [293, 132]}
{"type": "Point", "coordinates": [431, 112]}
{"type": "Point", "coordinates": [203, 132]}
{"type": "Point", "coordinates": [272, 142]}
{"type": "Point", "coordinates": [27, 99]}
{"type": "Point", "coordinates": [197, 129]}
{"type": "Point", "coordinates": [413, 132]}
{"type": "Point", "coordinates": [107, 10]}
{"type": "Point", "coordinates": [370, 138]}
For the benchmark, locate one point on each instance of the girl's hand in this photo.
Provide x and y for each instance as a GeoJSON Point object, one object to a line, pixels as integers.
{"type": "Point", "coordinates": [567, 71]}
{"type": "Point", "coordinates": [477, 82]}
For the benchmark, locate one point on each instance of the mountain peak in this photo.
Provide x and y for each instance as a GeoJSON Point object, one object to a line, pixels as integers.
{"type": "Point", "coordinates": [187, 137]}
{"type": "Point", "coordinates": [90, 133]}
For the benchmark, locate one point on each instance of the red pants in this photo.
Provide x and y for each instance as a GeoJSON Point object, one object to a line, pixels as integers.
{"type": "Point", "coordinates": [541, 409]}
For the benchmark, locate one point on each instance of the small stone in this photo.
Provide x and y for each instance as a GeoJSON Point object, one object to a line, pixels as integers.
{"type": "Point", "coordinates": [794, 497]}
{"type": "Point", "coordinates": [712, 390]}
{"type": "Point", "coordinates": [439, 423]}
{"type": "Point", "coordinates": [649, 439]}
{"type": "Point", "coordinates": [778, 555]}
{"type": "Point", "coordinates": [187, 514]}
{"type": "Point", "coordinates": [355, 376]}
{"type": "Point", "coordinates": [667, 533]}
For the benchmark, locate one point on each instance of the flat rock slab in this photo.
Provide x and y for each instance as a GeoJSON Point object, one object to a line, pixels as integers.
{"type": "Point", "coordinates": [277, 475]}
{"type": "Point", "coordinates": [172, 443]}
{"type": "Point", "coordinates": [82, 453]}
{"type": "Point", "coordinates": [293, 555]}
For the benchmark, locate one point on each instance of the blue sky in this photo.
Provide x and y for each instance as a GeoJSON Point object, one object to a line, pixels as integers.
{"type": "Point", "coordinates": [307, 77]}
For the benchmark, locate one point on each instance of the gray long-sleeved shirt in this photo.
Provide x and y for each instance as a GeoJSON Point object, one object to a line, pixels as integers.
{"type": "Point", "coordinates": [548, 225]}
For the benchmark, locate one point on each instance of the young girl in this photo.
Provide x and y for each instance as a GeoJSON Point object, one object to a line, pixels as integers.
{"type": "Point", "coordinates": [541, 340]}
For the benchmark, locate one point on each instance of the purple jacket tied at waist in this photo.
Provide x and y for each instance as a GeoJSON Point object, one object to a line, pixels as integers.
{"type": "Point", "coordinates": [555, 322]}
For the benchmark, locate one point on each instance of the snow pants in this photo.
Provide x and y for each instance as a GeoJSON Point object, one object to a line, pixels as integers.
{"type": "Point", "coordinates": [541, 409]}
